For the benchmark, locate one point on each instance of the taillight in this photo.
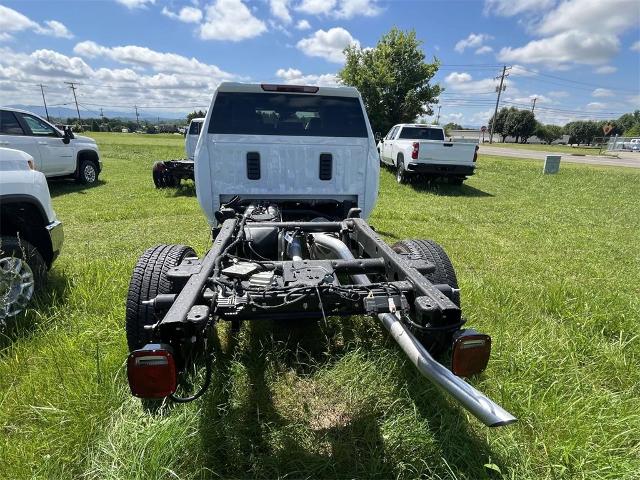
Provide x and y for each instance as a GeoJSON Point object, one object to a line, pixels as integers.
{"type": "Point", "coordinates": [470, 353]}
{"type": "Point", "coordinates": [269, 87]}
{"type": "Point", "coordinates": [475, 154]}
{"type": "Point", "coordinates": [416, 150]}
{"type": "Point", "coordinates": [152, 371]}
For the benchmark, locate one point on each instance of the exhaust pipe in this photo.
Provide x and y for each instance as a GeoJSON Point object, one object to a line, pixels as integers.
{"type": "Point", "coordinates": [476, 402]}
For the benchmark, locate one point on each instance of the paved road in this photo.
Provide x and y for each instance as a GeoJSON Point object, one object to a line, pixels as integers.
{"type": "Point", "coordinates": [627, 159]}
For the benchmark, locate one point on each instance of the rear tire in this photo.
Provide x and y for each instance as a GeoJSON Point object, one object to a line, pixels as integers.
{"type": "Point", "coordinates": [402, 176]}
{"type": "Point", "coordinates": [162, 178]}
{"type": "Point", "coordinates": [148, 280]}
{"type": "Point", "coordinates": [435, 342]}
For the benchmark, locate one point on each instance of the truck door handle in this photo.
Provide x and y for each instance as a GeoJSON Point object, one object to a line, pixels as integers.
{"type": "Point", "coordinates": [4, 143]}
{"type": "Point", "coordinates": [42, 143]}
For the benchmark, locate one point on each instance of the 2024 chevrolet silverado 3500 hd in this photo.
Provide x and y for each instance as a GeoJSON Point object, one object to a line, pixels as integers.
{"type": "Point", "coordinates": [168, 173]}
{"type": "Point", "coordinates": [417, 149]}
{"type": "Point", "coordinates": [30, 234]}
{"type": "Point", "coordinates": [56, 153]}
{"type": "Point", "coordinates": [286, 176]}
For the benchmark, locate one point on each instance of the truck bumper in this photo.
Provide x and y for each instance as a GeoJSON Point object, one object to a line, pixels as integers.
{"type": "Point", "coordinates": [440, 169]}
{"type": "Point", "coordinates": [56, 234]}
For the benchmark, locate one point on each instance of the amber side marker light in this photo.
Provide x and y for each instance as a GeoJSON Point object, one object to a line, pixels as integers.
{"type": "Point", "coordinates": [152, 371]}
{"type": "Point", "coordinates": [470, 353]}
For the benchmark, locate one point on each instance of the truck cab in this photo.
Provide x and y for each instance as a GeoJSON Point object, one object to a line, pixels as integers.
{"type": "Point", "coordinates": [191, 136]}
{"type": "Point", "coordinates": [309, 149]}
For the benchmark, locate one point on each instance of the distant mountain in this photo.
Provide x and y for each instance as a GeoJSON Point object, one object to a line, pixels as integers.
{"type": "Point", "coordinates": [64, 112]}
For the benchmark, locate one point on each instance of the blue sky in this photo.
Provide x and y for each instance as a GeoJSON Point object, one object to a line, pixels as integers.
{"type": "Point", "coordinates": [579, 58]}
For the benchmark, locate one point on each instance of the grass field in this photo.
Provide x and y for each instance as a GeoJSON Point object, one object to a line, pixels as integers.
{"type": "Point", "coordinates": [553, 148]}
{"type": "Point", "coordinates": [548, 265]}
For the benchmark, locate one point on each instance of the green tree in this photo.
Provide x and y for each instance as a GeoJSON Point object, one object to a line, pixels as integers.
{"type": "Point", "coordinates": [196, 114]}
{"type": "Point", "coordinates": [549, 133]}
{"type": "Point", "coordinates": [520, 124]}
{"type": "Point", "coordinates": [452, 126]}
{"type": "Point", "coordinates": [582, 131]}
{"type": "Point", "coordinates": [501, 120]}
{"type": "Point", "coordinates": [393, 79]}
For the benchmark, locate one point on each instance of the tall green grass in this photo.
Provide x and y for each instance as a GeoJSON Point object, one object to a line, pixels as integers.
{"type": "Point", "coordinates": [548, 265]}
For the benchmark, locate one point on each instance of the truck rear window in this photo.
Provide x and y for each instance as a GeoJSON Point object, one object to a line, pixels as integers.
{"type": "Point", "coordinates": [194, 128]}
{"type": "Point", "coordinates": [421, 133]}
{"type": "Point", "coordinates": [287, 114]}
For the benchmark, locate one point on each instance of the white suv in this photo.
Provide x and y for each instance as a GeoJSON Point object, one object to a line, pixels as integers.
{"type": "Point", "coordinates": [56, 153]}
{"type": "Point", "coordinates": [30, 234]}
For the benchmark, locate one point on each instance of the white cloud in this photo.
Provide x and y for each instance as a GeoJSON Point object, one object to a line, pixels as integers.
{"type": "Point", "coordinates": [131, 4]}
{"type": "Point", "coordinates": [186, 14]}
{"type": "Point", "coordinates": [12, 21]}
{"type": "Point", "coordinates": [509, 8]}
{"type": "Point", "coordinates": [474, 40]}
{"type": "Point", "coordinates": [558, 93]}
{"type": "Point", "coordinates": [484, 49]}
{"type": "Point", "coordinates": [606, 69]}
{"type": "Point", "coordinates": [143, 57]}
{"type": "Point", "coordinates": [340, 8]}
{"type": "Point", "coordinates": [602, 92]}
{"type": "Point", "coordinates": [572, 32]}
{"type": "Point", "coordinates": [54, 29]}
{"type": "Point", "coordinates": [230, 20]}
{"type": "Point", "coordinates": [328, 44]}
{"type": "Point", "coordinates": [611, 16]}
{"type": "Point", "coordinates": [303, 25]}
{"type": "Point", "coordinates": [635, 47]}
{"type": "Point", "coordinates": [573, 46]}
{"type": "Point", "coordinates": [280, 10]}
{"type": "Point", "coordinates": [457, 78]}
{"type": "Point", "coordinates": [166, 80]}
{"type": "Point", "coordinates": [595, 106]}
{"type": "Point", "coordinates": [295, 76]}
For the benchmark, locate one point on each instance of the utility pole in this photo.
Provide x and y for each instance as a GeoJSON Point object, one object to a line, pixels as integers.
{"type": "Point", "coordinates": [73, 87]}
{"type": "Point", "coordinates": [438, 117]}
{"type": "Point", "coordinates": [137, 116]}
{"type": "Point", "coordinates": [44, 101]}
{"type": "Point", "coordinates": [499, 89]}
{"type": "Point", "coordinates": [533, 105]}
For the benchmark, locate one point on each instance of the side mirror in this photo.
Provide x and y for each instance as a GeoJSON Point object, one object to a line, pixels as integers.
{"type": "Point", "coordinates": [377, 136]}
{"type": "Point", "coordinates": [68, 135]}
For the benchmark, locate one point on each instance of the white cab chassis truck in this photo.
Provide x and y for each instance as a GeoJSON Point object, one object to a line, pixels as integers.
{"type": "Point", "coordinates": [55, 153]}
{"type": "Point", "coordinates": [417, 150]}
{"type": "Point", "coordinates": [168, 173]}
{"type": "Point", "coordinates": [30, 234]}
{"type": "Point", "coordinates": [286, 176]}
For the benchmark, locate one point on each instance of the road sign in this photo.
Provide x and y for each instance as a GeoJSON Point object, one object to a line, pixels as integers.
{"type": "Point", "coordinates": [607, 128]}
{"type": "Point", "coordinates": [483, 129]}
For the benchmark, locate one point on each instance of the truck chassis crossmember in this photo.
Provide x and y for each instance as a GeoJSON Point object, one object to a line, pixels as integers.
{"type": "Point", "coordinates": [263, 267]}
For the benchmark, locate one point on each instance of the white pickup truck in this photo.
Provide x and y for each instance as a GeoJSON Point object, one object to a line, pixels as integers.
{"type": "Point", "coordinates": [56, 153]}
{"type": "Point", "coordinates": [191, 137]}
{"type": "Point", "coordinates": [421, 149]}
{"type": "Point", "coordinates": [30, 234]}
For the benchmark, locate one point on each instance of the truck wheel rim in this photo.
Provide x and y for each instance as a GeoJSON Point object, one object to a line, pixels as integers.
{"type": "Point", "coordinates": [16, 286]}
{"type": "Point", "coordinates": [90, 173]}
{"type": "Point", "coordinates": [399, 172]}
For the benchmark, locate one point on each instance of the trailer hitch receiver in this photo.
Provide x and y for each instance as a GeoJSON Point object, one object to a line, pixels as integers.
{"type": "Point", "coordinates": [151, 371]}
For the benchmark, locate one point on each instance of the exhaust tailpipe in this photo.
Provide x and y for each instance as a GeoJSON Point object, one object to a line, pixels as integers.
{"type": "Point", "coordinates": [476, 402]}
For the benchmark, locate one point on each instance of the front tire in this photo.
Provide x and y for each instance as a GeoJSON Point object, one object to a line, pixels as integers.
{"type": "Point", "coordinates": [23, 273]}
{"type": "Point", "coordinates": [88, 172]}
{"type": "Point", "coordinates": [438, 341]}
{"type": "Point", "coordinates": [148, 280]}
